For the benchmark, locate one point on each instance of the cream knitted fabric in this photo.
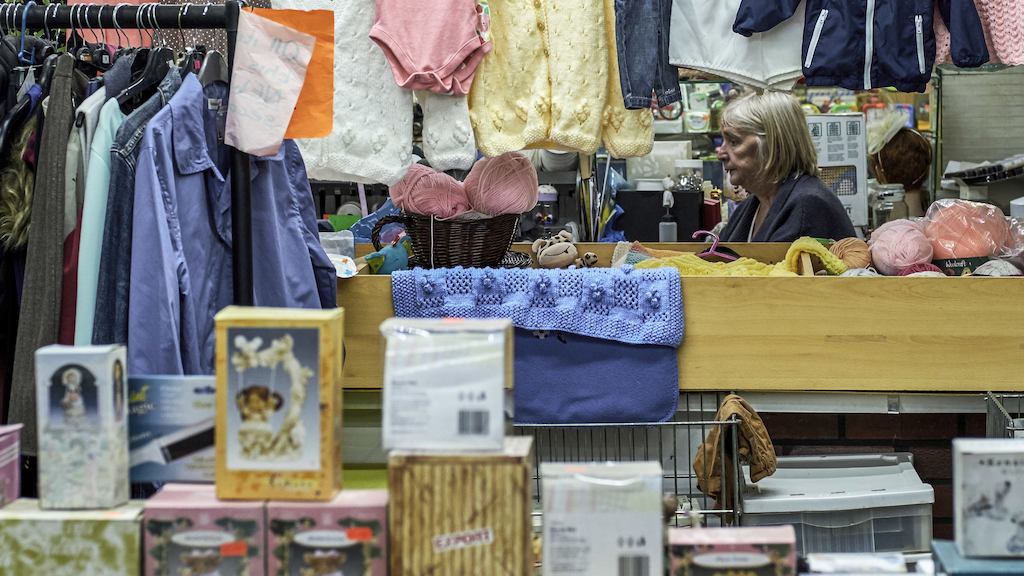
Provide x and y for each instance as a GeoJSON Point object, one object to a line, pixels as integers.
{"type": "Point", "coordinates": [448, 141]}
{"type": "Point", "coordinates": [372, 136]}
{"type": "Point", "coordinates": [545, 83]}
{"type": "Point", "coordinates": [626, 133]}
{"type": "Point", "coordinates": [1003, 22]}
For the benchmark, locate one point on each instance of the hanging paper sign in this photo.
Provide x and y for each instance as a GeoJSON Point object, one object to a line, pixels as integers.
{"type": "Point", "coordinates": [314, 112]}
{"type": "Point", "coordinates": [269, 70]}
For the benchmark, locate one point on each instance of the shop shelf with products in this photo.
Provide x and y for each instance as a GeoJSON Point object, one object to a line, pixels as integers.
{"type": "Point", "coordinates": [762, 333]}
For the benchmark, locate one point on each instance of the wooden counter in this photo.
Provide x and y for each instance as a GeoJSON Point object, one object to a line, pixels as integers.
{"type": "Point", "coordinates": [805, 333]}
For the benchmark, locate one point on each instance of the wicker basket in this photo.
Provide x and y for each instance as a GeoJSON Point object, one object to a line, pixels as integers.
{"type": "Point", "coordinates": [449, 243]}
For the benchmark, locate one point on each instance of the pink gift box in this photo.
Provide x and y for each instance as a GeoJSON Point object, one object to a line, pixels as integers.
{"type": "Point", "coordinates": [188, 531]}
{"type": "Point", "coordinates": [10, 469]}
{"type": "Point", "coordinates": [760, 551]}
{"type": "Point", "coordinates": [346, 535]}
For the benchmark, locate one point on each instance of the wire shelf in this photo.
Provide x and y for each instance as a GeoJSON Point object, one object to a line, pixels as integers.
{"type": "Point", "coordinates": [673, 444]}
{"type": "Point", "coordinates": [1005, 415]}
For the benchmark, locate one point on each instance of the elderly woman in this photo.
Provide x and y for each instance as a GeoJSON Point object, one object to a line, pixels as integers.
{"type": "Point", "coordinates": [767, 149]}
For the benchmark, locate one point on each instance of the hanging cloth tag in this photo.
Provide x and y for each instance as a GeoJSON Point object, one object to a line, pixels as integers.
{"type": "Point", "coordinates": [314, 112]}
{"type": "Point", "coordinates": [269, 69]}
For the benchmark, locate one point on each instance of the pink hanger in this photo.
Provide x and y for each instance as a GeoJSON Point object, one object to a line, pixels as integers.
{"type": "Point", "coordinates": [728, 255]}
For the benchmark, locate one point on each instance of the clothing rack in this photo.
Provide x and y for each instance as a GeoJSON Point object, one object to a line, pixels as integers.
{"type": "Point", "coordinates": [164, 17]}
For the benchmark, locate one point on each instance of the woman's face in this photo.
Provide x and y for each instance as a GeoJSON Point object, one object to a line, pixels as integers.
{"type": "Point", "coordinates": [738, 154]}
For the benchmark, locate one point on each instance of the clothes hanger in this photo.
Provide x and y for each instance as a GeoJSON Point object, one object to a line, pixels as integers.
{"type": "Point", "coordinates": [187, 60]}
{"type": "Point", "coordinates": [215, 66]}
{"type": "Point", "coordinates": [157, 62]}
{"type": "Point", "coordinates": [122, 41]}
{"type": "Point", "coordinates": [715, 251]}
{"type": "Point", "coordinates": [23, 109]}
{"type": "Point", "coordinates": [214, 69]}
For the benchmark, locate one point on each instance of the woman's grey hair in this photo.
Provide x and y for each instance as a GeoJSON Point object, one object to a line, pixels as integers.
{"type": "Point", "coordinates": [777, 120]}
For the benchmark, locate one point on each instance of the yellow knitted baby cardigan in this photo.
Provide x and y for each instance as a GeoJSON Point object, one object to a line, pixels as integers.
{"type": "Point", "coordinates": [548, 82]}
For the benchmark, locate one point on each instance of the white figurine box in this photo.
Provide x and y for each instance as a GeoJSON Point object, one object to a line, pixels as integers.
{"type": "Point", "coordinates": [601, 516]}
{"type": "Point", "coordinates": [444, 383]}
{"type": "Point", "coordinates": [83, 427]}
{"type": "Point", "coordinates": [988, 497]}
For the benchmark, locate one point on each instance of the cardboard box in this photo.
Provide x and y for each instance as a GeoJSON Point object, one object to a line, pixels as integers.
{"type": "Point", "coordinates": [170, 428]}
{"type": "Point", "coordinates": [988, 497]}
{"type": "Point", "coordinates": [36, 542]}
{"type": "Point", "coordinates": [188, 531]}
{"type": "Point", "coordinates": [347, 535]}
{"type": "Point", "coordinates": [444, 383]}
{"type": "Point", "coordinates": [10, 463]}
{"type": "Point", "coordinates": [278, 403]}
{"type": "Point", "coordinates": [841, 142]}
{"type": "Point", "coordinates": [81, 397]}
{"type": "Point", "coordinates": [462, 513]}
{"type": "Point", "coordinates": [601, 516]}
{"type": "Point", "coordinates": [760, 551]}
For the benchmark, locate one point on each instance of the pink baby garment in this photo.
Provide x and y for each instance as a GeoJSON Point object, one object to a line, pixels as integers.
{"type": "Point", "coordinates": [431, 44]}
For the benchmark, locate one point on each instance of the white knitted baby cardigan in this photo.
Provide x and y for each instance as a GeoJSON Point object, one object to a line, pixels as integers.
{"type": "Point", "coordinates": [372, 136]}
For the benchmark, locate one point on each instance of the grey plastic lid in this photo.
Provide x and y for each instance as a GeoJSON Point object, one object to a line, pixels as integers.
{"type": "Point", "coordinates": [831, 483]}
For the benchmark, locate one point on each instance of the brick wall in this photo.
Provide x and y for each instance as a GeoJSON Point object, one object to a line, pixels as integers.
{"type": "Point", "coordinates": [927, 436]}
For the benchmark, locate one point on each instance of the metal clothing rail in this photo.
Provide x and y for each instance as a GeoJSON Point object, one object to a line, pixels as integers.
{"type": "Point", "coordinates": [164, 17]}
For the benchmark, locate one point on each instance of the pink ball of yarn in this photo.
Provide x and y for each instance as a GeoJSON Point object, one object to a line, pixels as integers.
{"type": "Point", "coordinates": [506, 184]}
{"type": "Point", "coordinates": [426, 191]}
{"type": "Point", "coordinates": [898, 244]}
{"type": "Point", "coordinates": [915, 268]}
{"type": "Point", "coordinates": [962, 229]}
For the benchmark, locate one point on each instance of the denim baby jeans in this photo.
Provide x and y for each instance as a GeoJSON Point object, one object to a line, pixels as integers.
{"type": "Point", "coordinates": [642, 38]}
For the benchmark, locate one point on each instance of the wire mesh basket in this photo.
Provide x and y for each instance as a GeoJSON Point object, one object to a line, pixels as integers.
{"type": "Point", "coordinates": [1005, 415]}
{"type": "Point", "coordinates": [673, 444]}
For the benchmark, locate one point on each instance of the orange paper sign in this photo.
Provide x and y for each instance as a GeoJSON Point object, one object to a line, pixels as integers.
{"type": "Point", "coordinates": [314, 112]}
{"type": "Point", "coordinates": [359, 534]}
{"type": "Point", "coordinates": [234, 549]}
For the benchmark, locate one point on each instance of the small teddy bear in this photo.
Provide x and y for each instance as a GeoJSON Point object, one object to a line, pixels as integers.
{"type": "Point", "coordinates": [559, 252]}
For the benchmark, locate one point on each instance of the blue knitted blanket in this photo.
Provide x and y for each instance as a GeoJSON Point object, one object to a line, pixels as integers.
{"type": "Point", "coordinates": [622, 304]}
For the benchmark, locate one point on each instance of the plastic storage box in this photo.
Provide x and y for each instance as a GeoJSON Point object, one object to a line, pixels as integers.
{"type": "Point", "coordinates": [862, 503]}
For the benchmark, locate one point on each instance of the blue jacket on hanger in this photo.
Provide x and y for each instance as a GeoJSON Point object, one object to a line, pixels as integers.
{"type": "Point", "coordinates": [864, 44]}
{"type": "Point", "coordinates": [181, 235]}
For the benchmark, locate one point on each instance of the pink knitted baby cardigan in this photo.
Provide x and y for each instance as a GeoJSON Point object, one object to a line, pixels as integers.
{"type": "Point", "coordinates": [1003, 21]}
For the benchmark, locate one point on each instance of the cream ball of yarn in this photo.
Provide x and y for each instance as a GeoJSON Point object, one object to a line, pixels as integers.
{"type": "Point", "coordinates": [997, 268]}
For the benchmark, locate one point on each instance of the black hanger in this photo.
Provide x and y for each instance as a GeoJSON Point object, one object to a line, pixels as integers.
{"type": "Point", "coordinates": [156, 62]}
{"type": "Point", "coordinates": [214, 69]}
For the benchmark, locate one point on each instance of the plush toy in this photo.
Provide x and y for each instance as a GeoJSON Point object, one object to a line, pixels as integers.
{"type": "Point", "coordinates": [559, 252]}
{"type": "Point", "coordinates": [391, 258]}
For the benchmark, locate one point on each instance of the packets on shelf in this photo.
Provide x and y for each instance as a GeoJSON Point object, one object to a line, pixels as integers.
{"type": "Point", "coordinates": [70, 542]}
{"type": "Point", "coordinates": [598, 517]}
{"type": "Point", "coordinates": [462, 512]}
{"type": "Point", "coordinates": [444, 383]}
{"type": "Point", "coordinates": [279, 399]}
{"type": "Point", "coordinates": [170, 428]}
{"type": "Point", "coordinates": [188, 531]}
{"type": "Point", "coordinates": [347, 535]}
{"type": "Point", "coordinates": [83, 426]}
